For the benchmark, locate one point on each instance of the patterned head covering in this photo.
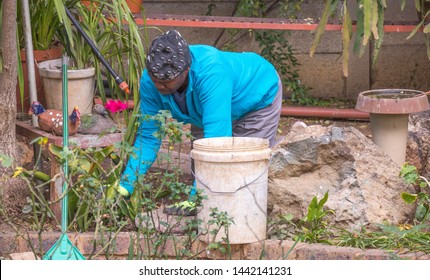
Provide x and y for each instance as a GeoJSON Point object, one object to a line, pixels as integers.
{"type": "Point", "coordinates": [168, 56]}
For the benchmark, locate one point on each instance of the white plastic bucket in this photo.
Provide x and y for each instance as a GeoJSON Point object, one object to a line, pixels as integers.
{"type": "Point", "coordinates": [233, 173]}
{"type": "Point", "coordinates": [80, 86]}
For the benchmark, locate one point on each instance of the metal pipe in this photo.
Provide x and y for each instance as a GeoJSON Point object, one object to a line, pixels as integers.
{"type": "Point", "coordinates": [287, 111]}
{"type": "Point", "coordinates": [334, 113]}
{"type": "Point", "coordinates": [29, 57]}
{"type": "Point", "coordinates": [31, 74]}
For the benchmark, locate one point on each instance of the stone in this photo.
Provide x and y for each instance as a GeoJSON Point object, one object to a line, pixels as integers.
{"type": "Point", "coordinates": [418, 144]}
{"type": "Point", "coordinates": [297, 126]}
{"type": "Point", "coordinates": [363, 183]}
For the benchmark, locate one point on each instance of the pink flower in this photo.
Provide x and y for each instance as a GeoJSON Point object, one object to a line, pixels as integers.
{"type": "Point", "coordinates": [115, 106]}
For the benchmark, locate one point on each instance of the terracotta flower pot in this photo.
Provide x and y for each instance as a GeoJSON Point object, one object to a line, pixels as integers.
{"type": "Point", "coordinates": [134, 5]}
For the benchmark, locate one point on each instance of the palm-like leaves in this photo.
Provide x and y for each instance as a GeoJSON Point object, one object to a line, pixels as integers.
{"type": "Point", "coordinates": [369, 26]}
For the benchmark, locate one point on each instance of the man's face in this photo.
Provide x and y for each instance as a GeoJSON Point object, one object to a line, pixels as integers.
{"type": "Point", "coordinates": [169, 86]}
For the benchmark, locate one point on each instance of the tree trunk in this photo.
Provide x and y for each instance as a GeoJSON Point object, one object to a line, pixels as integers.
{"type": "Point", "coordinates": [8, 79]}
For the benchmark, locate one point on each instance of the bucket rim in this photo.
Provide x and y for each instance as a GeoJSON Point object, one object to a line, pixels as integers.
{"type": "Point", "coordinates": [231, 143]}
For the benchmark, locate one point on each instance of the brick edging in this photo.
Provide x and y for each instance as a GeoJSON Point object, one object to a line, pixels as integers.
{"type": "Point", "coordinates": [273, 249]}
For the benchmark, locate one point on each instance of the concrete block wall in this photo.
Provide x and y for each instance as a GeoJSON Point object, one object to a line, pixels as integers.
{"type": "Point", "coordinates": [402, 63]}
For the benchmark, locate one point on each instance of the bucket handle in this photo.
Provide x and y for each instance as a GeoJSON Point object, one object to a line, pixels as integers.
{"type": "Point", "coordinates": [241, 187]}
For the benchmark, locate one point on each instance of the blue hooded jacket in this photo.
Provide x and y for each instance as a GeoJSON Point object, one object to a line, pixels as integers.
{"type": "Point", "coordinates": [222, 87]}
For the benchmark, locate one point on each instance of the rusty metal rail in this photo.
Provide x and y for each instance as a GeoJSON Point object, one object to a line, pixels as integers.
{"type": "Point", "coordinates": [252, 23]}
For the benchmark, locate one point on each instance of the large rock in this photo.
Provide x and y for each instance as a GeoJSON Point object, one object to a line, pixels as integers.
{"type": "Point", "coordinates": [363, 182]}
{"type": "Point", "coordinates": [418, 145]}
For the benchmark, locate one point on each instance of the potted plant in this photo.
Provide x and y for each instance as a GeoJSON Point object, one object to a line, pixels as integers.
{"type": "Point", "coordinates": [45, 25]}
{"type": "Point", "coordinates": [81, 73]}
{"type": "Point", "coordinates": [119, 41]}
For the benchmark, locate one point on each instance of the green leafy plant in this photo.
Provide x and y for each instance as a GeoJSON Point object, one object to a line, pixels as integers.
{"type": "Point", "coordinates": [44, 21]}
{"type": "Point", "coordinates": [113, 30]}
{"type": "Point", "coordinates": [369, 26]}
{"type": "Point", "coordinates": [90, 182]}
{"type": "Point", "coordinates": [314, 226]}
{"type": "Point", "coordinates": [75, 46]}
{"type": "Point", "coordinates": [95, 205]}
{"type": "Point", "coordinates": [220, 221]}
{"type": "Point", "coordinates": [168, 181]}
{"type": "Point", "coordinates": [410, 175]}
{"type": "Point", "coordinates": [390, 238]}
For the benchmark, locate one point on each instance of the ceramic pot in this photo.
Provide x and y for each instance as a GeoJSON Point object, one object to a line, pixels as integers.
{"type": "Point", "coordinates": [80, 86]}
{"type": "Point", "coordinates": [39, 56]}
